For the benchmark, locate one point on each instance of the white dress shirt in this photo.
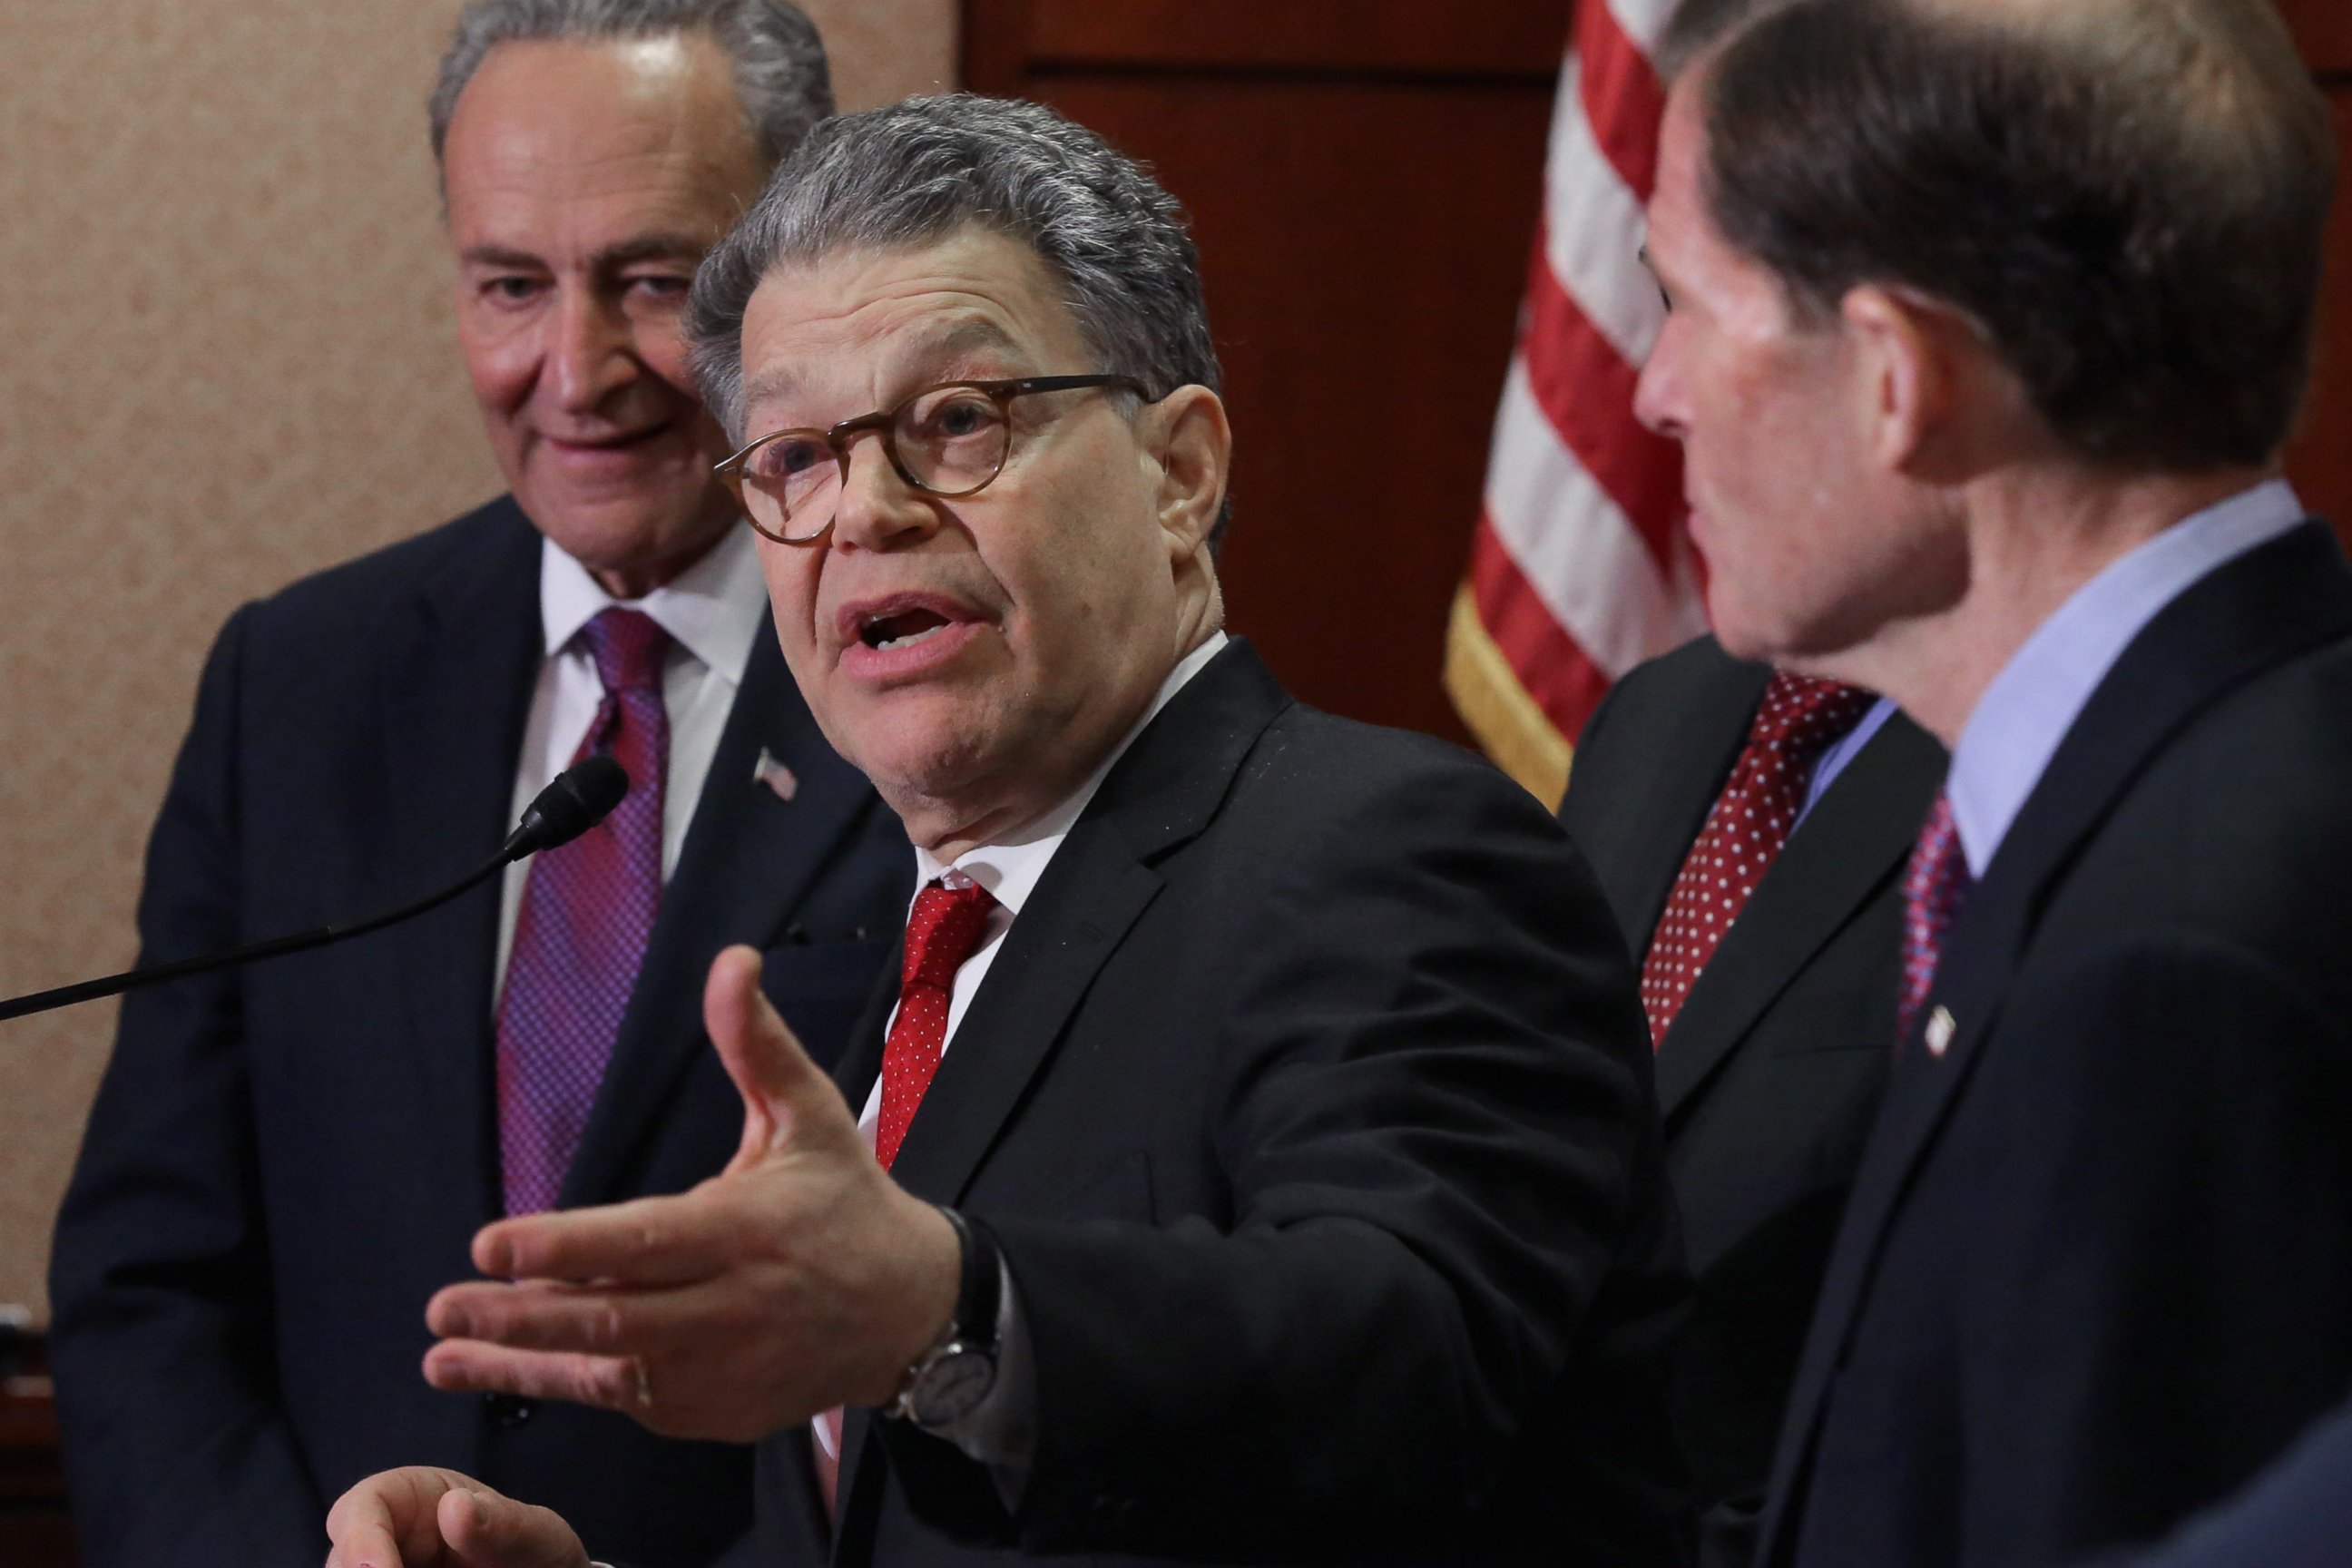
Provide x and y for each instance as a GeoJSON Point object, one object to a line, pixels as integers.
{"type": "Point", "coordinates": [712, 611]}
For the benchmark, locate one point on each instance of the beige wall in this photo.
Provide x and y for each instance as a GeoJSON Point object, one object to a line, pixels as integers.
{"type": "Point", "coordinates": [225, 361]}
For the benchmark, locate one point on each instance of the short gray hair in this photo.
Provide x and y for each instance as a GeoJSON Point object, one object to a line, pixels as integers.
{"type": "Point", "coordinates": [915, 172]}
{"type": "Point", "coordinates": [780, 76]}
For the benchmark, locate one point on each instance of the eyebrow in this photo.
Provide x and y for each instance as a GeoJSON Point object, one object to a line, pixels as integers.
{"type": "Point", "coordinates": [659, 246]}
{"type": "Point", "coordinates": [962, 336]}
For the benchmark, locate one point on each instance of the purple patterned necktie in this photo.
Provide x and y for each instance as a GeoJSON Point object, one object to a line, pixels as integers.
{"type": "Point", "coordinates": [587, 910]}
{"type": "Point", "coordinates": [1933, 888]}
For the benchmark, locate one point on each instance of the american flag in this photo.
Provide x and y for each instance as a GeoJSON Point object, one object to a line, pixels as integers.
{"type": "Point", "coordinates": [1580, 568]}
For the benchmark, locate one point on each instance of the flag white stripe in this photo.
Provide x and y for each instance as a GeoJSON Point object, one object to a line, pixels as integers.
{"type": "Point", "coordinates": [1593, 233]}
{"type": "Point", "coordinates": [1574, 545]}
{"type": "Point", "coordinates": [1643, 21]}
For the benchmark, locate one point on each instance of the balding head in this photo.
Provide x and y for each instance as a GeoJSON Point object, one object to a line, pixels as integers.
{"type": "Point", "coordinates": [2128, 197]}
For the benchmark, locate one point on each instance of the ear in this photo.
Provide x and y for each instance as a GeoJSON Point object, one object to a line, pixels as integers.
{"type": "Point", "coordinates": [1907, 374]}
{"type": "Point", "coordinates": [1195, 446]}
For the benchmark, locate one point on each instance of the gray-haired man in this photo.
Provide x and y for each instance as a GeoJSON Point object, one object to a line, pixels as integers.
{"type": "Point", "coordinates": [1260, 1165]}
{"type": "Point", "coordinates": [283, 1163]}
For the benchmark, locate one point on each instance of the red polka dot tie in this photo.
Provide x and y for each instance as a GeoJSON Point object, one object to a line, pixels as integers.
{"type": "Point", "coordinates": [943, 930]}
{"type": "Point", "coordinates": [1796, 721]}
{"type": "Point", "coordinates": [1935, 886]}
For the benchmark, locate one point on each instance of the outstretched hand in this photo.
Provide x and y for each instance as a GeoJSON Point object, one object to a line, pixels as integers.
{"type": "Point", "coordinates": [798, 1278]}
{"type": "Point", "coordinates": [422, 1518]}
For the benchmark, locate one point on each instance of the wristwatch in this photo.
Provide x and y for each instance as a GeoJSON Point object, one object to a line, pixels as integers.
{"type": "Point", "coordinates": [949, 1381]}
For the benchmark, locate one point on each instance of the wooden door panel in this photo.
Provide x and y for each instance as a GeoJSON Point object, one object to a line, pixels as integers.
{"type": "Point", "coordinates": [1363, 248]}
{"type": "Point", "coordinates": [1364, 188]}
{"type": "Point", "coordinates": [2323, 29]}
{"type": "Point", "coordinates": [2320, 459]}
{"type": "Point", "coordinates": [1319, 37]}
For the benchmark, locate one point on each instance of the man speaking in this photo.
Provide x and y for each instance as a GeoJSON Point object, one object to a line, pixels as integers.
{"type": "Point", "coordinates": [285, 1161]}
{"type": "Point", "coordinates": [1259, 1163]}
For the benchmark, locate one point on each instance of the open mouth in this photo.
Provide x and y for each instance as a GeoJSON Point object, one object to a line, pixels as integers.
{"type": "Point", "coordinates": [903, 628]}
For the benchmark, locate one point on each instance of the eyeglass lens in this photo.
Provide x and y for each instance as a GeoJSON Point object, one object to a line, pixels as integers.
{"type": "Point", "coordinates": [949, 441]}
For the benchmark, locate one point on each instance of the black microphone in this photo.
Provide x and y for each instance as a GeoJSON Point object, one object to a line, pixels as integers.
{"type": "Point", "coordinates": [579, 798]}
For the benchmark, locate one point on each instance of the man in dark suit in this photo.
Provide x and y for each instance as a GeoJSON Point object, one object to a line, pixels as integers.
{"type": "Point", "coordinates": [1260, 1162]}
{"type": "Point", "coordinates": [1988, 325]}
{"type": "Point", "coordinates": [285, 1161]}
{"type": "Point", "coordinates": [1771, 1058]}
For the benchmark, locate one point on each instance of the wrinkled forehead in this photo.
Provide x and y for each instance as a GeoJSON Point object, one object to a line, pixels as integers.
{"type": "Point", "coordinates": [878, 324]}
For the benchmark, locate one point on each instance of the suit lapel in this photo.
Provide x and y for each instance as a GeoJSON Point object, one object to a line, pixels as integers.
{"type": "Point", "coordinates": [1858, 835]}
{"type": "Point", "coordinates": [452, 728]}
{"type": "Point", "coordinates": [2283, 599]}
{"type": "Point", "coordinates": [748, 858]}
{"type": "Point", "coordinates": [1161, 794]}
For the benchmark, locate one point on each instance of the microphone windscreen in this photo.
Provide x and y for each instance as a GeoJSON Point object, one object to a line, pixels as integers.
{"type": "Point", "coordinates": [583, 796]}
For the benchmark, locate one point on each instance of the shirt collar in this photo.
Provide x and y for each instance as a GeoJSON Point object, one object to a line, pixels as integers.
{"type": "Point", "coordinates": [713, 609]}
{"type": "Point", "coordinates": [2028, 707]}
{"type": "Point", "coordinates": [1011, 870]}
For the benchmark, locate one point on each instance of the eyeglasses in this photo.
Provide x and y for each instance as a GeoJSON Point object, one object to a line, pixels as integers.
{"type": "Point", "coordinates": [949, 440]}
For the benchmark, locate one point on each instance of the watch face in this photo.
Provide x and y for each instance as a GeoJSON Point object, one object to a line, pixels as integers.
{"type": "Point", "coordinates": [951, 1387]}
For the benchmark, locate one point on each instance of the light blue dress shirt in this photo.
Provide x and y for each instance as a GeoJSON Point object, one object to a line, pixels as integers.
{"type": "Point", "coordinates": [2027, 709]}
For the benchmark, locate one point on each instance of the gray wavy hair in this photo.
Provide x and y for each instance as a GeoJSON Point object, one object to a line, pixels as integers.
{"type": "Point", "coordinates": [915, 172]}
{"type": "Point", "coordinates": [780, 75]}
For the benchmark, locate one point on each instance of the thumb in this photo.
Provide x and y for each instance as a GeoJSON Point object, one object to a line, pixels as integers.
{"type": "Point", "coordinates": [786, 1099]}
{"type": "Point", "coordinates": [484, 1530]}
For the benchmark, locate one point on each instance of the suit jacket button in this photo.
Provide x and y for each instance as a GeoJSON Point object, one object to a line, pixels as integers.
{"type": "Point", "coordinates": [506, 1412]}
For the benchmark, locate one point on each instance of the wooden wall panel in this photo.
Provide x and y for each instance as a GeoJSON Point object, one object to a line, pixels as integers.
{"type": "Point", "coordinates": [2320, 460]}
{"type": "Point", "coordinates": [1364, 187]}
{"type": "Point", "coordinates": [2323, 28]}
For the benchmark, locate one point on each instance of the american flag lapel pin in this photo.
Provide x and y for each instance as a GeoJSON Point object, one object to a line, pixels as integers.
{"type": "Point", "coordinates": [1941, 1026]}
{"type": "Point", "coordinates": [775, 776]}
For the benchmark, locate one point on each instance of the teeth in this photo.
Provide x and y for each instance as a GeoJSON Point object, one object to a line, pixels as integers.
{"type": "Point", "coordinates": [912, 638]}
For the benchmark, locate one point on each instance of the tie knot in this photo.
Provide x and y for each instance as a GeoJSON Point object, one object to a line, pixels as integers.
{"type": "Point", "coordinates": [944, 928]}
{"type": "Point", "coordinates": [627, 645]}
{"type": "Point", "coordinates": [1800, 716]}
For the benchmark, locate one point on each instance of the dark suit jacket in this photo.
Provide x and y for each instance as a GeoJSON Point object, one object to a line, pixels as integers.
{"type": "Point", "coordinates": [285, 1162]}
{"type": "Point", "coordinates": [1308, 1099]}
{"type": "Point", "coordinates": [2098, 1264]}
{"type": "Point", "coordinates": [2297, 1515]}
{"type": "Point", "coordinates": [1770, 1074]}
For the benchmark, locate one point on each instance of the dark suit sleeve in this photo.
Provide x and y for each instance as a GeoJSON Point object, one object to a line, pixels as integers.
{"type": "Point", "coordinates": [2185, 1183]}
{"type": "Point", "coordinates": [2298, 1514]}
{"type": "Point", "coordinates": [176, 1445]}
{"type": "Point", "coordinates": [1438, 1102]}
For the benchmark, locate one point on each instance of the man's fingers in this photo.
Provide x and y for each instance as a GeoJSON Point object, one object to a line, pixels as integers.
{"type": "Point", "coordinates": [389, 1519]}
{"type": "Point", "coordinates": [786, 1098]}
{"type": "Point", "coordinates": [472, 1366]}
{"type": "Point", "coordinates": [485, 1529]}
{"type": "Point", "coordinates": [647, 1241]}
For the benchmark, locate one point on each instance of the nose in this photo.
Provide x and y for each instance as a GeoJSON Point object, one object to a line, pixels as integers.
{"type": "Point", "coordinates": [593, 354]}
{"type": "Point", "coordinates": [876, 508]}
{"type": "Point", "coordinates": [1658, 400]}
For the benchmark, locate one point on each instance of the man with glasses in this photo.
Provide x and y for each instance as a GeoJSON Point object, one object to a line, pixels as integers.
{"type": "Point", "coordinates": [285, 1161]}
{"type": "Point", "coordinates": [1259, 1163]}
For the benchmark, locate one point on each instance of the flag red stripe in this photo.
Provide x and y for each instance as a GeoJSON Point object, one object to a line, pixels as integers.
{"type": "Point", "coordinates": [1622, 97]}
{"type": "Point", "coordinates": [1586, 391]}
{"type": "Point", "coordinates": [1561, 678]}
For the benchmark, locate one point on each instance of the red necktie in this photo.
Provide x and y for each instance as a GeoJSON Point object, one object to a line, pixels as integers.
{"type": "Point", "coordinates": [1796, 721]}
{"type": "Point", "coordinates": [942, 930]}
{"type": "Point", "coordinates": [1933, 888]}
{"type": "Point", "coordinates": [587, 912]}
